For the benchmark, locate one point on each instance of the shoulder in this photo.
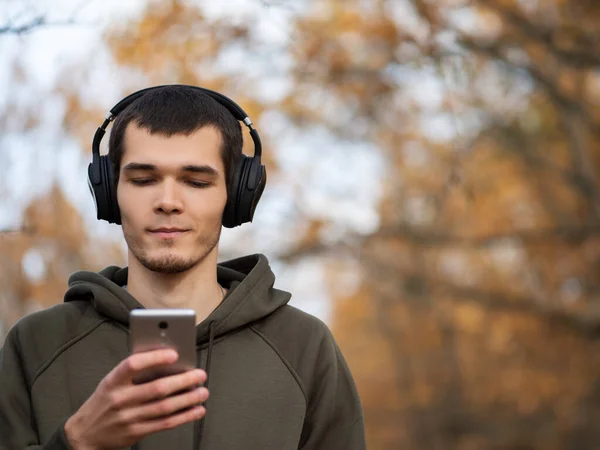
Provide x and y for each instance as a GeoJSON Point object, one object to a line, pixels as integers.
{"type": "Point", "coordinates": [304, 342]}
{"type": "Point", "coordinates": [39, 337]}
{"type": "Point", "coordinates": [58, 320]}
{"type": "Point", "coordinates": [289, 322]}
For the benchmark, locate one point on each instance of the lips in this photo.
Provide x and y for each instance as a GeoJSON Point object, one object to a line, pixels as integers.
{"type": "Point", "coordinates": [168, 233]}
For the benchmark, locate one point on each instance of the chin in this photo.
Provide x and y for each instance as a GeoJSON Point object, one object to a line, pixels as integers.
{"type": "Point", "coordinates": [169, 256]}
{"type": "Point", "coordinates": [169, 263]}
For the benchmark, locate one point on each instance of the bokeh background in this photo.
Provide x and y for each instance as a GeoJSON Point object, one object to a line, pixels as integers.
{"type": "Point", "coordinates": [433, 188]}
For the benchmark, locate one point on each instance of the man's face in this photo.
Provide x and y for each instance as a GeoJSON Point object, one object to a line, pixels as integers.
{"type": "Point", "coordinates": [171, 194]}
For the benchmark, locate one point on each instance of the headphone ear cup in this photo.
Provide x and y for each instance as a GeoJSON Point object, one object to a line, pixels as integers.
{"type": "Point", "coordinates": [114, 213]}
{"type": "Point", "coordinates": [104, 192]}
{"type": "Point", "coordinates": [96, 191]}
{"type": "Point", "coordinates": [248, 198]}
{"type": "Point", "coordinates": [242, 200]}
{"type": "Point", "coordinates": [231, 211]}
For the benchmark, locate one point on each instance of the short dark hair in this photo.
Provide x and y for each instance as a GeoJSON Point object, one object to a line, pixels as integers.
{"type": "Point", "coordinates": [171, 110]}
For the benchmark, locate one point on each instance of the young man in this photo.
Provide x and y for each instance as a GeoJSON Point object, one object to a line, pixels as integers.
{"type": "Point", "coordinates": [174, 175]}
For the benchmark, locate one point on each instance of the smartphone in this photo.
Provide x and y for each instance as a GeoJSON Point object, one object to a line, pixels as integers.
{"type": "Point", "coordinates": [151, 329]}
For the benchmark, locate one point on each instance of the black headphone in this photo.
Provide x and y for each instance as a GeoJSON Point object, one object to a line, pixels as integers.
{"type": "Point", "coordinates": [246, 187]}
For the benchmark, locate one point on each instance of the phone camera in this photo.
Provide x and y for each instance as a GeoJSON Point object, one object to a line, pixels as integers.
{"type": "Point", "coordinates": [163, 325]}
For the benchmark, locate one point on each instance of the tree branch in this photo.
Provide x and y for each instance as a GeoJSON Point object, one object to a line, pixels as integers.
{"type": "Point", "coordinates": [353, 245]}
{"type": "Point", "coordinates": [432, 237]}
{"type": "Point", "coordinates": [40, 21]}
{"type": "Point", "coordinates": [561, 101]}
{"type": "Point", "coordinates": [585, 322]}
{"type": "Point", "coordinates": [581, 157]}
{"type": "Point", "coordinates": [574, 58]}
{"type": "Point", "coordinates": [33, 24]}
{"type": "Point", "coordinates": [14, 231]}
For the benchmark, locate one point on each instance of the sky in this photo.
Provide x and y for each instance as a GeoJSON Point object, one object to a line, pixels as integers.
{"type": "Point", "coordinates": [319, 174]}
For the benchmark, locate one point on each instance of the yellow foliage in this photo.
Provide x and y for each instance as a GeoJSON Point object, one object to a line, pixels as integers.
{"type": "Point", "coordinates": [469, 318]}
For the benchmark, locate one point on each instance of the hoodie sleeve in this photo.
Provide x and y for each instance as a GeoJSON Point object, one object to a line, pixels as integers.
{"type": "Point", "coordinates": [334, 418]}
{"type": "Point", "coordinates": [17, 425]}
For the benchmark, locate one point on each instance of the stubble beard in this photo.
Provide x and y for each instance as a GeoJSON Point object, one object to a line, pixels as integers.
{"type": "Point", "coordinates": [170, 262]}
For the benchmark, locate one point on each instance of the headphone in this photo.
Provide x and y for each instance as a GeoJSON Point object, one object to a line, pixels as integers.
{"type": "Point", "coordinates": [246, 187]}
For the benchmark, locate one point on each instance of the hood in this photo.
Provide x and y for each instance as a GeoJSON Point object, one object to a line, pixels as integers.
{"type": "Point", "coordinates": [249, 280]}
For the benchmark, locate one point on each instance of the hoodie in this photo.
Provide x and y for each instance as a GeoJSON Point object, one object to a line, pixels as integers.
{"type": "Point", "coordinates": [276, 376]}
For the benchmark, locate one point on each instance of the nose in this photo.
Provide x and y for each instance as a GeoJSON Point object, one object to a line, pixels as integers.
{"type": "Point", "coordinates": [168, 201]}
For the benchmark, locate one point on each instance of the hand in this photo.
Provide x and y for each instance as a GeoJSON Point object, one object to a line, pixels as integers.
{"type": "Point", "coordinates": [119, 413]}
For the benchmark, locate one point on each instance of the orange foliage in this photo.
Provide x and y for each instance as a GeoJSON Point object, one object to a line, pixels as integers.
{"type": "Point", "coordinates": [476, 323]}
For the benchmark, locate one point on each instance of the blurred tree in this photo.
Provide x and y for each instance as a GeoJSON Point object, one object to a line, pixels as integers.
{"type": "Point", "coordinates": [477, 321]}
{"type": "Point", "coordinates": [37, 260]}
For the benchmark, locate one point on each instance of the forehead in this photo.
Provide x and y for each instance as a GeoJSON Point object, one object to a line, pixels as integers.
{"type": "Point", "coordinates": [203, 146]}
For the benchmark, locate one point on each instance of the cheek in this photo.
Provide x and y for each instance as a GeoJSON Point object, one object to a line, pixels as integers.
{"type": "Point", "coordinates": [122, 201]}
{"type": "Point", "coordinates": [223, 201]}
{"type": "Point", "coordinates": [208, 212]}
{"type": "Point", "coordinates": [127, 205]}
{"type": "Point", "coordinates": [214, 203]}
{"type": "Point", "coordinates": [221, 205]}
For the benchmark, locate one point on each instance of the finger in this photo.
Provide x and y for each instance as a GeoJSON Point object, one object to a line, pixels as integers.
{"type": "Point", "coordinates": [137, 362]}
{"type": "Point", "coordinates": [166, 386]}
{"type": "Point", "coordinates": [167, 406]}
{"type": "Point", "coordinates": [136, 394]}
{"type": "Point", "coordinates": [145, 428]}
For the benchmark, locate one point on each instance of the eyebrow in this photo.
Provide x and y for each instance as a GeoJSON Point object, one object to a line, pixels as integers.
{"type": "Point", "coordinates": [204, 169]}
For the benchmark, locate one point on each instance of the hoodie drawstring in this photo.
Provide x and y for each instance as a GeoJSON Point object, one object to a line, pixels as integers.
{"type": "Point", "coordinates": [199, 429]}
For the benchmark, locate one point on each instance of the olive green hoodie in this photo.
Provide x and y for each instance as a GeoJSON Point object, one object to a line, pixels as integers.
{"type": "Point", "coordinates": [276, 376]}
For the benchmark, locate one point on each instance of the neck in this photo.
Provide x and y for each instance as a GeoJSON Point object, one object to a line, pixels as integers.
{"type": "Point", "coordinates": [195, 289]}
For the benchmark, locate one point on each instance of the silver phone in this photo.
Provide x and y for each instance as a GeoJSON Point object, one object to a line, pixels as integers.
{"type": "Point", "coordinates": [151, 329]}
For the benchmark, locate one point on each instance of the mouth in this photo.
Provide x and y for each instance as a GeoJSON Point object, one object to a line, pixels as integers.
{"type": "Point", "coordinates": [168, 233]}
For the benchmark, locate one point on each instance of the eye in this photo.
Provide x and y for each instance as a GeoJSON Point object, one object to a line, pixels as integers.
{"type": "Point", "coordinates": [198, 184]}
{"type": "Point", "coordinates": [142, 181]}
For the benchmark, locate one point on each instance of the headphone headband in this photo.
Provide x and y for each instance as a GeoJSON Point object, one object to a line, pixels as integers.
{"type": "Point", "coordinates": [231, 106]}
